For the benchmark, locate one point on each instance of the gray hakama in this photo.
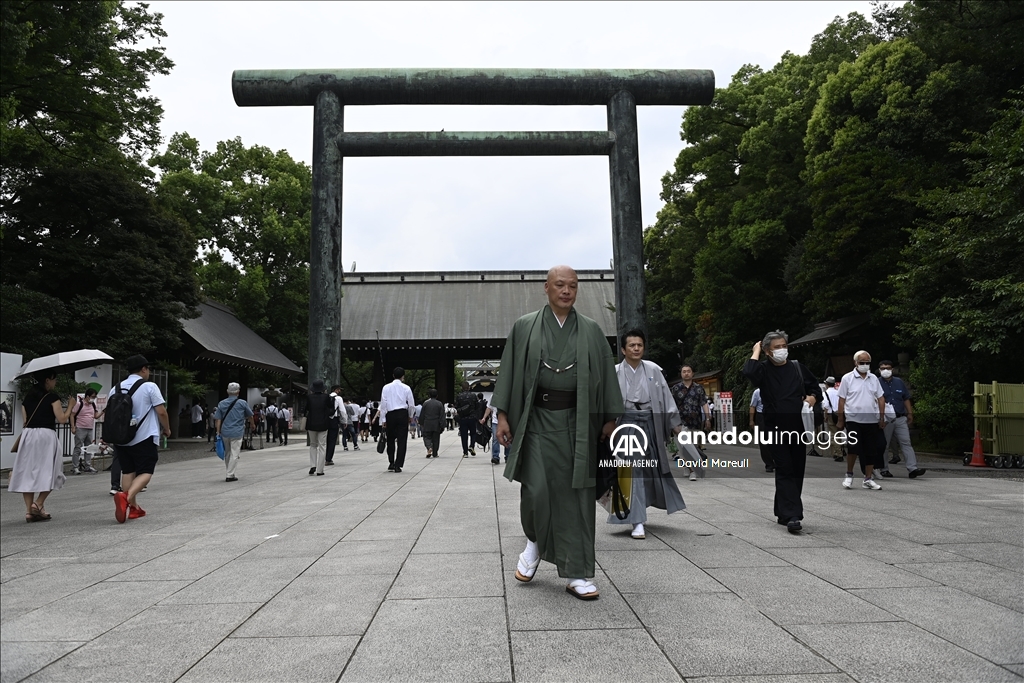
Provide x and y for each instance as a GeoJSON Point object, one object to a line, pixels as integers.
{"type": "Point", "coordinates": [650, 488]}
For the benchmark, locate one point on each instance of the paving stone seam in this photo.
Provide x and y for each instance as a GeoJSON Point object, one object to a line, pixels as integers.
{"type": "Point", "coordinates": [496, 476]}
{"type": "Point", "coordinates": [359, 642]}
{"type": "Point", "coordinates": [959, 588]}
{"type": "Point", "coordinates": [646, 628]}
{"type": "Point", "coordinates": [767, 616]}
{"type": "Point", "coordinates": [285, 586]}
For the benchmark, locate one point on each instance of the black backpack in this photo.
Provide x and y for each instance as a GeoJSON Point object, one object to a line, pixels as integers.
{"type": "Point", "coordinates": [465, 404]}
{"type": "Point", "coordinates": [119, 425]}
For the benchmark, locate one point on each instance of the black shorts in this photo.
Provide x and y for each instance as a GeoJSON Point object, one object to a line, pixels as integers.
{"type": "Point", "coordinates": [138, 459]}
{"type": "Point", "coordinates": [866, 437]}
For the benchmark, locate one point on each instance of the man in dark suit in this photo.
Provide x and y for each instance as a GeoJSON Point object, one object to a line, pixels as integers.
{"type": "Point", "coordinates": [432, 423]}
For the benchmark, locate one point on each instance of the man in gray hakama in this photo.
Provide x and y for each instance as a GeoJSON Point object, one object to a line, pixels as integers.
{"type": "Point", "coordinates": [650, 406]}
{"type": "Point", "coordinates": [556, 399]}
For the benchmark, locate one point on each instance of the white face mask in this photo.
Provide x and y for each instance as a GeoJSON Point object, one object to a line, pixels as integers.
{"type": "Point", "coordinates": [886, 374]}
{"type": "Point", "coordinates": [780, 355]}
{"type": "Point", "coordinates": [863, 368]}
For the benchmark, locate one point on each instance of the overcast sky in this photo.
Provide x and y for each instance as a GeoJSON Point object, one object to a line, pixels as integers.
{"type": "Point", "coordinates": [497, 213]}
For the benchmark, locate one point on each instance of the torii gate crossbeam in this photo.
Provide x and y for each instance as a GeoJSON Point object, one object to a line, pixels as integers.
{"type": "Point", "coordinates": [328, 91]}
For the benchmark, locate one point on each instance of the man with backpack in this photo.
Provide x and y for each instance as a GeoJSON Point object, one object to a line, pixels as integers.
{"type": "Point", "coordinates": [136, 417]}
{"type": "Point", "coordinates": [466, 410]}
{"type": "Point", "coordinates": [270, 415]}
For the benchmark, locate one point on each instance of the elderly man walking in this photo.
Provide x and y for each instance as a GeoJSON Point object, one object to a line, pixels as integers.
{"type": "Point", "coordinates": [229, 420]}
{"type": "Point", "coordinates": [898, 396]}
{"type": "Point", "coordinates": [557, 397]}
{"type": "Point", "coordinates": [861, 414]}
{"type": "Point", "coordinates": [785, 386]}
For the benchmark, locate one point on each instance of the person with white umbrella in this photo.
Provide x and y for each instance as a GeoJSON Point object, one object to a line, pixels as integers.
{"type": "Point", "coordinates": [38, 466]}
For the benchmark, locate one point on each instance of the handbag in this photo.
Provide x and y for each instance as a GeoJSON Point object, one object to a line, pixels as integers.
{"type": "Point", "coordinates": [17, 442]}
{"type": "Point", "coordinates": [609, 491]}
{"type": "Point", "coordinates": [219, 443]}
{"type": "Point", "coordinates": [382, 443]}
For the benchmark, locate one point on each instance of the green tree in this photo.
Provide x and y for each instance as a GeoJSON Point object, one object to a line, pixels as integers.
{"type": "Point", "coordinates": [250, 210]}
{"type": "Point", "coordinates": [958, 293]}
{"type": "Point", "coordinates": [88, 257]}
{"type": "Point", "coordinates": [74, 87]}
{"type": "Point", "coordinates": [99, 267]}
{"type": "Point", "coordinates": [720, 259]}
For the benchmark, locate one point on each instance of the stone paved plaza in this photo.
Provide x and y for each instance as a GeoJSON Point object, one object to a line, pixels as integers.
{"type": "Point", "coordinates": [366, 575]}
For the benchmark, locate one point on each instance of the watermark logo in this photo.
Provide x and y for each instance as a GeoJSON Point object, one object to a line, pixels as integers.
{"type": "Point", "coordinates": [628, 441]}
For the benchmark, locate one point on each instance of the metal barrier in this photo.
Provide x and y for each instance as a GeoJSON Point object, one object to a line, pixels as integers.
{"type": "Point", "coordinates": [999, 418]}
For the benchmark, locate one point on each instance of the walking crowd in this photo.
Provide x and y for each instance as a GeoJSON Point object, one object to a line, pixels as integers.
{"type": "Point", "coordinates": [558, 420]}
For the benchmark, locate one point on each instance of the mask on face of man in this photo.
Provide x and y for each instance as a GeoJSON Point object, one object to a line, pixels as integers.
{"type": "Point", "coordinates": [863, 368]}
{"type": "Point", "coordinates": [780, 355]}
{"type": "Point", "coordinates": [886, 374]}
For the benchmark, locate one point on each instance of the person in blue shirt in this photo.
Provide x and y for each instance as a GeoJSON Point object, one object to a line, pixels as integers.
{"type": "Point", "coordinates": [230, 417]}
{"type": "Point", "coordinates": [898, 396]}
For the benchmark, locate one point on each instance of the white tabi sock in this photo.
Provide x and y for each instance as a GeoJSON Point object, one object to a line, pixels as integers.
{"type": "Point", "coordinates": [532, 552]}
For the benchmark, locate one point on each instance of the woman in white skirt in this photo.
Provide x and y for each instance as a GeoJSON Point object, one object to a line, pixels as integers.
{"type": "Point", "coordinates": [38, 464]}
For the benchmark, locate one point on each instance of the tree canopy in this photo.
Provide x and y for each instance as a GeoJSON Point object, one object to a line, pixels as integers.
{"type": "Point", "coordinates": [879, 173]}
{"type": "Point", "coordinates": [250, 211]}
{"type": "Point", "coordinates": [89, 258]}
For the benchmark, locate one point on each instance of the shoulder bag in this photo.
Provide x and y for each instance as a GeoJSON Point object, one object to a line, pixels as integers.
{"type": "Point", "coordinates": [17, 442]}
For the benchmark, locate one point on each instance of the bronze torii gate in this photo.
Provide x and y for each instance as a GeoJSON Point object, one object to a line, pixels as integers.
{"type": "Point", "coordinates": [328, 91]}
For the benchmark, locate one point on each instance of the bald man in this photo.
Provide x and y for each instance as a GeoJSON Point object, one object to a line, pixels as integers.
{"type": "Point", "coordinates": [557, 398]}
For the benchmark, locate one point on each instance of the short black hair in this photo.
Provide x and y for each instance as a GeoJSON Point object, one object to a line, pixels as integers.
{"type": "Point", "coordinates": [335, 387]}
{"type": "Point", "coordinates": [41, 376]}
{"type": "Point", "coordinates": [432, 393]}
{"type": "Point", "coordinates": [633, 333]}
{"type": "Point", "coordinates": [886, 362]}
{"type": "Point", "coordinates": [399, 372]}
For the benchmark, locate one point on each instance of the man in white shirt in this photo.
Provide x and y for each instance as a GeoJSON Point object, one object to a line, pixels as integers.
{"type": "Point", "coordinates": [862, 415]}
{"type": "Point", "coordinates": [197, 421]}
{"type": "Point", "coordinates": [831, 407]}
{"type": "Point", "coordinates": [137, 459]}
{"type": "Point", "coordinates": [339, 421]}
{"type": "Point", "coordinates": [284, 418]}
{"type": "Point", "coordinates": [396, 408]}
{"type": "Point", "coordinates": [270, 415]}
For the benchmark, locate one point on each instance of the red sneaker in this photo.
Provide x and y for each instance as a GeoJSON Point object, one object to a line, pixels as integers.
{"type": "Point", "coordinates": [136, 512]}
{"type": "Point", "coordinates": [120, 506]}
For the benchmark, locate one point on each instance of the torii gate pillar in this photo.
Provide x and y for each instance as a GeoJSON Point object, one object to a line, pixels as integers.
{"type": "Point", "coordinates": [329, 91]}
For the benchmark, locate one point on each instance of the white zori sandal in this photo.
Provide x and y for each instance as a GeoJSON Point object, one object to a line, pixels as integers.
{"type": "Point", "coordinates": [582, 589]}
{"type": "Point", "coordinates": [525, 570]}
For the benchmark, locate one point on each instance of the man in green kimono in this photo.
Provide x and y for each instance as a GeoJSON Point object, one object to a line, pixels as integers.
{"type": "Point", "coordinates": [557, 396]}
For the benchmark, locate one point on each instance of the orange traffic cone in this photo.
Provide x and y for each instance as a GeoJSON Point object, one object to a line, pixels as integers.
{"type": "Point", "coordinates": [977, 455]}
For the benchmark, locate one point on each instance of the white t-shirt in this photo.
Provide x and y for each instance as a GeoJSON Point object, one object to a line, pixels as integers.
{"type": "Point", "coordinates": [144, 402]}
{"type": "Point", "coordinates": [861, 393]}
{"type": "Point", "coordinates": [197, 413]}
{"type": "Point", "coordinates": [831, 403]}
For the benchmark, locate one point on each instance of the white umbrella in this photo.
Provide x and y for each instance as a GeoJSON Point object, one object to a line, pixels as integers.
{"type": "Point", "coordinates": [65, 361]}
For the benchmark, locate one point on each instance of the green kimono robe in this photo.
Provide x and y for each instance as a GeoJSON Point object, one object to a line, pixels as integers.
{"type": "Point", "coordinates": [554, 452]}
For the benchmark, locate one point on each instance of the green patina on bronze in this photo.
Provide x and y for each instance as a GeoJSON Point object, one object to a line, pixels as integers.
{"type": "Point", "coordinates": [473, 143]}
{"type": "Point", "coordinates": [300, 87]}
{"type": "Point", "coordinates": [329, 90]}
